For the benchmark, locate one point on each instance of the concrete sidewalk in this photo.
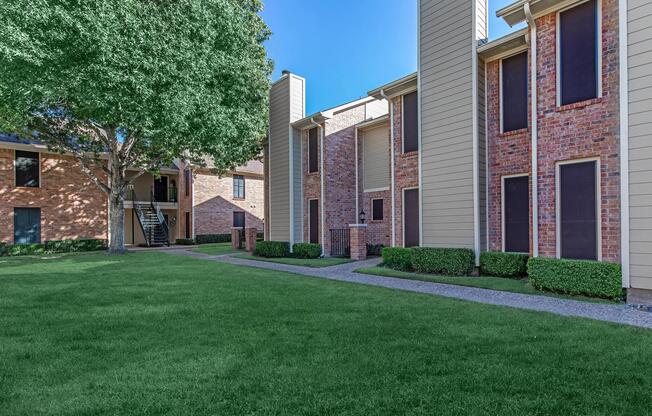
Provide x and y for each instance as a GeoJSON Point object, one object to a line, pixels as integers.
{"type": "Point", "coordinates": [621, 314]}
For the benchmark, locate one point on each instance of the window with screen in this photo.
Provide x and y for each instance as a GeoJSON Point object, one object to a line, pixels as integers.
{"type": "Point", "coordinates": [239, 219]}
{"type": "Point", "coordinates": [578, 53]}
{"type": "Point", "coordinates": [578, 211]}
{"type": "Point", "coordinates": [238, 187]}
{"type": "Point", "coordinates": [410, 123]}
{"type": "Point", "coordinates": [377, 210]}
{"type": "Point", "coordinates": [516, 214]}
{"type": "Point", "coordinates": [514, 92]}
{"type": "Point", "coordinates": [313, 156]}
{"type": "Point", "coordinates": [27, 169]}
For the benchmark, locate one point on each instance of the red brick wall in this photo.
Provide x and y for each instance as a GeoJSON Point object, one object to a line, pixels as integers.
{"type": "Point", "coordinates": [406, 169]}
{"type": "Point", "coordinates": [72, 207]}
{"type": "Point", "coordinates": [583, 130]}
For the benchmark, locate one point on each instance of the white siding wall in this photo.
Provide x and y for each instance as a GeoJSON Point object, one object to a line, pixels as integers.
{"type": "Point", "coordinates": [640, 141]}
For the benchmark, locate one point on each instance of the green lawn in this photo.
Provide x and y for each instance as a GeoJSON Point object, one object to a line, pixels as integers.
{"type": "Point", "coordinates": [484, 282]}
{"type": "Point", "coordinates": [217, 249]}
{"type": "Point", "coordinates": [315, 263]}
{"type": "Point", "coordinates": [155, 334]}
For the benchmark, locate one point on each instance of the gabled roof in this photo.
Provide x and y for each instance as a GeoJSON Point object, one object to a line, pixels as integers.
{"type": "Point", "coordinates": [400, 86]}
{"type": "Point", "coordinates": [501, 46]}
{"type": "Point", "coordinates": [321, 116]}
{"type": "Point", "coordinates": [514, 14]}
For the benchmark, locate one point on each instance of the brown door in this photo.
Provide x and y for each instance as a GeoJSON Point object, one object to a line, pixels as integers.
{"type": "Point", "coordinates": [314, 221]}
{"type": "Point", "coordinates": [411, 217]}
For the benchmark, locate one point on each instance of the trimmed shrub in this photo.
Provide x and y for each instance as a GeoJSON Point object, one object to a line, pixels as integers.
{"type": "Point", "coordinates": [54, 247]}
{"type": "Point", "coordinates": [26, 249]}
{"type": "Point", "coordinates": [375, 249]}
{"type": "Point", "coordinates": [186, 242]}
{"type": "Point", "coordinates": [576, 277]}
{"type": "Point", "coordinates": [397, 258]}
{"type": "Point", "coordinates": [306, 251]}
{"type": "Point", "coordinates": [3, 249]}
{"type": "Point", "coordinates": [213, 238]}
{"type": "Point", "coordinates": [449, 261]}
{"type": "Point", "coordinates": [272, 249]}
{"type": "Point", "coordinates": [512, 265]}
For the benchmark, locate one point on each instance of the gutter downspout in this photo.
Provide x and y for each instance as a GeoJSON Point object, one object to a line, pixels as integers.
{"type": "Point", "coordinates": [624, 142]}
{"type": "Point", "coordinates": [535, 133]}
{"type": "Point", "coordinates": [357, 169]}
{"type": "Point", "coordinates": [391, 152]}
{"type": "Point", "coordinates": [321, 185]}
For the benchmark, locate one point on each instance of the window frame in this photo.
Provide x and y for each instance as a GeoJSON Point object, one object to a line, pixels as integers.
{"type": "Point", "coordinates": [236, 185]}
{"type": "Point", "coordinates": [40, 225]}
{"type": "Point", "coordinates": [403, 122]}
{"type": "Point", "coordinates": [316, 129]}
{"type": "Point", "coordinates": [244, 218]}
{"type": "Point", "coordinates": [411, 188]}
{"type": "Point", "coordinates": [502, 209]}
{"type": "Point", "coordinates": [40, 176]}
{"type": "Point", "coordinates": [598, 202]}
{"type": "Point", "coordinates": [187, 182]}
{"type": "Point", "coordinates": [527, 89]}
{"type": "Point", "coordinates": [318, 220]}
{"type": "Point", "coordinates": [599, 50]}
{"type": "Point", "coordinates": [382, 211]}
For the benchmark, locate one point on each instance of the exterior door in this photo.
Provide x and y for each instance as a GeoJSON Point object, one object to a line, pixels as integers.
{"type": "Point", "coordinates": [314, 221]}
{"type": "Point", "coordinates": [411, 217]}
{"type": "Point", "coordinates": [517, 214]}
{"type": "Point", "coordinates": [579, 215]}
{"type": "Point", "coordinates": [27, 225]}
{"type": "Point", "coordinates": [161, 189]}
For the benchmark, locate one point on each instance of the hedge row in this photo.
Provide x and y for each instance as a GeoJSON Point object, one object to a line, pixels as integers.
{"type": "Point", "coordinates": [306, 251]}
{"type": "Point", "coordinates": [219, 238]}
{"type": "Point", "coordinates": [52, 247]}
{"type": "Point", "coordinates": [576, 277]}
{"type": "Point", "coordinates": [511, 265]}
{"type": "Point", "coordinates": [185, 242]}
{"type": "Point", "coordinates": [272, 249]}
{"type": "Point", "coordinates": [450, 261]}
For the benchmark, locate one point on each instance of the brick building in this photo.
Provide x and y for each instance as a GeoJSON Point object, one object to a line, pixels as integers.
{"type": "Point", "coordinates": [45, 196]}
{"type": "Point", "coordinates": [537, 142]}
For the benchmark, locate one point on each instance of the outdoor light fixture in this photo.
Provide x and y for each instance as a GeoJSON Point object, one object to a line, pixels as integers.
{"type": "Point", "coordinates": [363, 216]}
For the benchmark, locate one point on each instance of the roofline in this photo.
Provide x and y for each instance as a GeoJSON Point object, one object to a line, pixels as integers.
{"type": "Point", "coordinates": [373, 122]}
{"type": "Point", "coordinates": [324, 115]}
{"type": "Point", "coordinates": [514, 13]}
{"type": "Point", "coordinates": [502, 40]}
{"type": "Point", "coordinates": [397, 83]}
{"type": "Point", "coordinates": [511, 8]}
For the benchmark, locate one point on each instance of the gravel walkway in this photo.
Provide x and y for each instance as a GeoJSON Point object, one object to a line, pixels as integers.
{"type": "Point", "coordinates": [621, 314]}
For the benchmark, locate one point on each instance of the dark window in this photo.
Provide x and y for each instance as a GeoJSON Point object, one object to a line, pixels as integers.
{"type": "Point", "coordinates": [314, 221]}
{"type": "Point", "coordinates": [161, 189]}
{"type": "Point", "coordinates": [238, 219]}
{"type": "Point", "coordinates": [411, 217]}
{"type": "Point", "coordinates": [578, 216]}
{"type": "Point", "coordinates": [313, 157]}
{"type": "Point", "coordinates": [186, 181]}
{"type": "Point", "coordinates": [27, 225]}
{"type": "Point", "coordinates": [377, 210]}
{"type": "Point", "coordinates": [578, 44]}
{"type": "Point", "coordinates": [514, 92]}
{"type": "Point", "coordinates": [517, 215]}
{"type": "Point", "coordinates": [27, 169]}
{"type": "Point", "coordinates": [238, 186]}
{"type": "Point", "coordinates": [410, 123]}
{"type": "Point", "coordinates": [188, 225]}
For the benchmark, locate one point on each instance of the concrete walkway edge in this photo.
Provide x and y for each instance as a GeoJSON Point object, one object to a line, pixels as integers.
{"type": "Point", "coordinates": [621, 314]}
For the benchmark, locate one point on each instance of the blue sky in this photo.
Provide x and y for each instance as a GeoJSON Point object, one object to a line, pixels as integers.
{"type": "Point", "coordinates": [346, 47]}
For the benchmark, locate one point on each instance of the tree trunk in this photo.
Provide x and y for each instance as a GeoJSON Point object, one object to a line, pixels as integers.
{"type": "Point", "coordinates": [117, 224]}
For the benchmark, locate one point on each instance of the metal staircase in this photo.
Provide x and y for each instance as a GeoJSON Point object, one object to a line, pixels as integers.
{"type": "Point", "coordinates": [152, 223]}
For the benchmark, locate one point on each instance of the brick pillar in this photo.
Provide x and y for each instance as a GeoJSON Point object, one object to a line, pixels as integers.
{"type": "Point", "coordinates": [235, 237]}
{"type": "Point", "coordinates": [250, 239]}
{"type": "Point", "coordinates": [358, 241]}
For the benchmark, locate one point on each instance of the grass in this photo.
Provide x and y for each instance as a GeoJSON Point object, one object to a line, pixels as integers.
{"type": "Point", "coordinates": [216, 249]}
{"type": "Point", "coordinates": [155, 334]}
{"type": "Point", "coordinates": [485, 282]}
{"type": "Point", "coordinates": [314, 263]}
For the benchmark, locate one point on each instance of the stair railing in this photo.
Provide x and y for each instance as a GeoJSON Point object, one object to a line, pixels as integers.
{"type": "Point", "coordinates": [161, 218]}
{"type": "Point", "coordinates": [140, 214]}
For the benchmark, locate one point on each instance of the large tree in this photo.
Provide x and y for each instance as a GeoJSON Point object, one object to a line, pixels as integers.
{"type": "Point", "coordinates": [135, 83]}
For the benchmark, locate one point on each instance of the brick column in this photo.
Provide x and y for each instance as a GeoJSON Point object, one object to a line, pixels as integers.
{"type": "Point", "coordinates": [358, 241]}
{"type": "Point", "coordinates": [250, 239]}
{"type": "Point", "coordinates": [235, 237]}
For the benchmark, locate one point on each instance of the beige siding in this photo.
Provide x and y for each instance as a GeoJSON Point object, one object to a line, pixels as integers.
{"type": "Point", "coordinates": [286, 106]}
{"type": "Point", "coordinates": [375, 158]}
{"type": "Point", "coordinates": [640, 141]}
{"type": "Point", "coordinates": [447, 33]}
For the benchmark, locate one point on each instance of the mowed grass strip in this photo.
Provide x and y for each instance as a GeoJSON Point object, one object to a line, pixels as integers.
{"type": "Point", "coordinates": [292, 261]}
{"type": "Point", "coordinates": [154, 334]}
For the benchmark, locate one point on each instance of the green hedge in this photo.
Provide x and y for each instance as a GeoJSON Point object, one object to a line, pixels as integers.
{"type": "Point", "coordinates": [52, 247]}
{"type": "Point", "coordinates": [448, 261]}
{"type": "Point", "coordinates": [375, 249]}
{"type": "Point", "coordinates": [212, 238]}
{"type": "Point", "coordinates": [3, 249]}
{"type": "Point", "coordinates": [185, 242]}
{"type": "Point", "coordinates": [576, 277]}
{"type": "Point", "coordinates": [397, 258]}
{"type": "Point", "coordinates": [272, 249]}
{"type": "Point", "coordinates": [512, 265]}
{"type": "Point", "coordinates": [306, 251]}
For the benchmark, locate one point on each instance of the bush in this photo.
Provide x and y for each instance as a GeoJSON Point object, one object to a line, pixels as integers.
{"type": "Point", "coordinates": [213, 238]}
{"type": "Point", "coordinates": [448, 261]}
{"type": "Point", "coordinates": [397, 258]}
{"type": "Point", "coordinates": [3, 249]}
{"type": "Point", "coordinates": [375, 249]}
{"type": "Point", "coordinates": [306, 251]}
{"type": "Point", "coordinates": [186, 242]}
{"type": "Point", "coordinates": [53, 247]}
{"type": "Point", "coordinates": [272, 249]}
{"type": "Point", "coordinates": [576, 277]}
{"type": "Point", "coordinates": [513, 265]}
